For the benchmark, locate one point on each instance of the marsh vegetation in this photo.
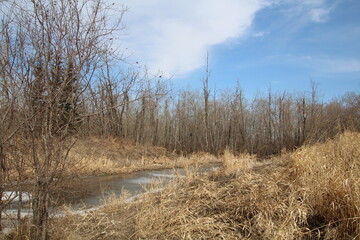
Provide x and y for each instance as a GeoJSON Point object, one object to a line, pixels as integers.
{"type": "Point", "coordinates": [311, 193]}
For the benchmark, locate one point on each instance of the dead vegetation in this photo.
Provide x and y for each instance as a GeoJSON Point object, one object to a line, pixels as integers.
{"type": "Point", "coordinates": [327, 176]}
{"type": "Point", "coordinates": [93, 156]}
{"type": "Point", "coordinates": [98, 156]}
{"type": "Point", "coordinates": [312, 193]}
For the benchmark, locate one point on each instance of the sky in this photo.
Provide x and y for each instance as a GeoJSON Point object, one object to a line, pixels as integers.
{"type": "Point", "coordinates": [262, 44]}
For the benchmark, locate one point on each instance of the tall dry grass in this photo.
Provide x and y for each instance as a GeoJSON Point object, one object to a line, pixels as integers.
{"type": "Point", "coordinates": [97, 156]}
{"type": "Point", "coordinates": [92, 156]}
{"type": "Point", "coordinates": [315, 195]}
{"type": "Point", "coordinates": [328, 175]}
{"type": "Point", "coordinates": [232, 163]}
{"type": "Point", "coordinates": [221, 206]}
{"type": "Point", "coordinates": [312, 193]}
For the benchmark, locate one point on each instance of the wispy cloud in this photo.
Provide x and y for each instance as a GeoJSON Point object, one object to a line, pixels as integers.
{"type": "Point", "coordinates": [323, 64]}
{"type": "Point", "coordinates": [259, 34]}
{"type": "Point", "coordinates": [311, 10]}
{"type": "Point", "coordinates": [319, 14]}
{"type": "Point", "coordinates": [337, 65]}
{"type": "Point", "coordinates": [174, 36]}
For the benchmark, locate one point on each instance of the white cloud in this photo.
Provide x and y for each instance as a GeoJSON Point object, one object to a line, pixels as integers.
{"type": "Point", "coordinates": [174, 36]}
{"type": "Point", "coordinates": [319, 14]}
{"type": "Point", "coordinates": [318, 10]}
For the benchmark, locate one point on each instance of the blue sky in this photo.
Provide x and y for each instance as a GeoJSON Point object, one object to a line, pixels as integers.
{"type": "Point", "coordinates": [282, 44]}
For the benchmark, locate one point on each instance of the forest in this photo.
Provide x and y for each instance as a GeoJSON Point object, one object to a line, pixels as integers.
{"type": "Point", "coordinates": [62, 81]}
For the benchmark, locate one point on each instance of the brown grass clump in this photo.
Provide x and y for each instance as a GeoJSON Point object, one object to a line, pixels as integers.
{"type": "Point", "coordinates": [329, 177]}
{"type": "Point", "coordinates": [232, 163]}
{"type": "Point", "coordinates": [223, 205]}
{"type": "Point", "coordinates": [116, 221]}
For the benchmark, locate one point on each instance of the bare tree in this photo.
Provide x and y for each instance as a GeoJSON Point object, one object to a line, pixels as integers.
{"type": "Point", "coordinates": [56, 46]}
{"type": "Point", "coordinates": [206, 94]}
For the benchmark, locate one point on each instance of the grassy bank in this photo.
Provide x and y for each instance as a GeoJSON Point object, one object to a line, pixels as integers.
{"type": "Point", "coordinates": [312, 193]}
{"type": "Point", "coordinates": [99, 156]}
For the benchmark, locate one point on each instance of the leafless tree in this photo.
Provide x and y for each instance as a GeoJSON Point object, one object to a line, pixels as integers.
{"type": "Point", "coordinates": [56, 47]}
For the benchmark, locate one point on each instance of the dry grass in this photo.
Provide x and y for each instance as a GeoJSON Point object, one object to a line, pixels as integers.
{"type": "Point", "coordinates": [221, 206]}
{"type": "Point", "coordinates": [232, 163]}
{"type": "Point", "coordinates": [115, 221]}
{"type": "Point", "coordinates": [315, 195]}
{"type": "Point", "coordinates": [312, 193]}
{"type": "Point", "coordinates": [329, 177]}
{"type": "Point", "coordinates": [102, 156]}
{"type": "Point", "coordinates": [98, 156]}
{"type": "Point", "coordinates": [94, 156]}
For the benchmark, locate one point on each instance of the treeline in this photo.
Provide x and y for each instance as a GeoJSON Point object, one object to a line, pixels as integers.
{"type": "Point", "coordinates": [211, 121]}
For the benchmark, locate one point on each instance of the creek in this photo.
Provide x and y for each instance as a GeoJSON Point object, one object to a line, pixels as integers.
{"type": "Point", "coordinates": [93, 192]}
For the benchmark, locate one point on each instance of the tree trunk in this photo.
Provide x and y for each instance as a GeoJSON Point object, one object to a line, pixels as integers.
{"type": "Point", "coordinates": [40, 211]}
